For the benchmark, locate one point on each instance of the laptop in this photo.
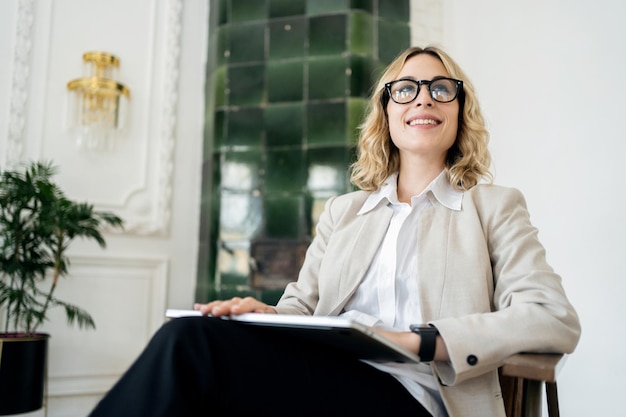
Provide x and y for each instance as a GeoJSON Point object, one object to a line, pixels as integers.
{"type": "Point", "coordinates": [342, 334]}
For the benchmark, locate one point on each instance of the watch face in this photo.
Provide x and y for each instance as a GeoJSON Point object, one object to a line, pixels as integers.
{"type": "Point", "coordinates": [423, 329]}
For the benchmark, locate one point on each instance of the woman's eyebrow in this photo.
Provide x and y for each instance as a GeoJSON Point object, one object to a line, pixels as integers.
{"type": "Point", "coordinates": [410, 77]}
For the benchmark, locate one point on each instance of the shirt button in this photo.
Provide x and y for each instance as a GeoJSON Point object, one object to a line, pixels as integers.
{"type": "Point", "coordinates": [472, 360]}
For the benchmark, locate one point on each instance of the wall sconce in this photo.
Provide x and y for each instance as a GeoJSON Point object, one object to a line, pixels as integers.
{"type": "Point", "coordinates": [97, 105]}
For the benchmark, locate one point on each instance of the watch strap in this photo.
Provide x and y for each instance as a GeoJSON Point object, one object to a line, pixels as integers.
{"type": "Point", "coordinates": [428, 336]}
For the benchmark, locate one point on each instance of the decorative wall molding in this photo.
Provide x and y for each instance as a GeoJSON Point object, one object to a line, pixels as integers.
{"type": "Point", "coordinates": [113, 274]}
{"type": "Point", "coordinates": [168, 128]}
{"type": "Point", "coordinates": [22, 61]}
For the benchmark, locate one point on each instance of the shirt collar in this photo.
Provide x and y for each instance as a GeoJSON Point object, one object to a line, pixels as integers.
{"type": "Point", "coordinates": [440, 188]}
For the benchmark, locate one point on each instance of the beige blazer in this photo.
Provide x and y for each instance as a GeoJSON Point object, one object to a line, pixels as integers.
{"type": "Point", "coordinates": [483, 282]}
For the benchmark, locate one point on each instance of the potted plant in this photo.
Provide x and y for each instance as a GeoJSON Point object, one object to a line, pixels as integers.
{"type": "Point", "coordinates": [37, 224]}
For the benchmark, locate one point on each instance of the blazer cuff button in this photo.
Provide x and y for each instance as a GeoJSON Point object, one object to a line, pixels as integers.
{"type": "Point", "coordinates": [472, 360]}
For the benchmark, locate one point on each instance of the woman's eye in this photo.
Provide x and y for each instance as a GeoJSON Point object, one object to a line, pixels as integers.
{"type": "Point", "coordinates": [406, 90]}
{"type": "Point", "coordinates": [442, 88]}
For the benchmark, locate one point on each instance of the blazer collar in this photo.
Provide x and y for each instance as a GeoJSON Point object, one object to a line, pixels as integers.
{"type": "Point", "coordinates": [439, 188]}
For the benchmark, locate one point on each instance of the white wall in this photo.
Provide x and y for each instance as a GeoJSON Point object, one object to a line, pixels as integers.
{"type": "Point", "coordinates": [550, 77]}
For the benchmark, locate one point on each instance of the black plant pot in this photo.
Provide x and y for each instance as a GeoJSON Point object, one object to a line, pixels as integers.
{"type": "Point", "coordinates": [22, 372]}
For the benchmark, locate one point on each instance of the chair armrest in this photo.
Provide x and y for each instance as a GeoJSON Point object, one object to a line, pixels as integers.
{"type": "Point", "coordinates": [535, 366]}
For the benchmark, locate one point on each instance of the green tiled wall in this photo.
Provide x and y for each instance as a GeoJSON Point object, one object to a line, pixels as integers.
{"type": "Point", "coordinates": [287, 84]}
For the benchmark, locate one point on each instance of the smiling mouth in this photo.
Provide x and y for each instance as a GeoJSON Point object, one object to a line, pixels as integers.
{"type": "Point", "coordinates": [416, 122]}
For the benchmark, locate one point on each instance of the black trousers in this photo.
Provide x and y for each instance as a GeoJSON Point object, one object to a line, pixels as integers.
{"type": "Point", "coordinates": [213, 367]}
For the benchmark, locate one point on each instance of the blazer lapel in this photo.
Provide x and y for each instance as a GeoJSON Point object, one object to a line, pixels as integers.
{"type": "Point", "coordinates": [433, 237]}
{"type": "Point", "coordinates": [368, 231]}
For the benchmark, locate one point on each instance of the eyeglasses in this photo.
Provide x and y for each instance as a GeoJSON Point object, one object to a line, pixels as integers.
{"type": "Point", "coordinates": [442, 90]}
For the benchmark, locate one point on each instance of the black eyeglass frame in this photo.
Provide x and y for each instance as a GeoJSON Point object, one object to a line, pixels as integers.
{"type": "Point", "coordinates": [419, 83]}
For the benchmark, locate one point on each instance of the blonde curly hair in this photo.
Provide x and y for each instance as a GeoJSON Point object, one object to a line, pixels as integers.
{"type": "Point", "coordinates": [468, 159]}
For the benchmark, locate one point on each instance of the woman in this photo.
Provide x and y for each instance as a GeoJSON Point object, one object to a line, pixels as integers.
{"type": "Point", "coordinates": [426, 253]}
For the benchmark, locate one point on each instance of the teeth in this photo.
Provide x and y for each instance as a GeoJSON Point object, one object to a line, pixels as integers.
{"type": "Point", "coordinates": [423, 122]}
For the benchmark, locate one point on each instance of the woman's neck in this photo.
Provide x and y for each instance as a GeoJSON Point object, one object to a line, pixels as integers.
{"type": "Point", "coordinates": [413, 179]}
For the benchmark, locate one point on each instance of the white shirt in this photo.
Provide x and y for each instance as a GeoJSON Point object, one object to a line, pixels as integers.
{"type": "Point", "coordinates": [387, 296]}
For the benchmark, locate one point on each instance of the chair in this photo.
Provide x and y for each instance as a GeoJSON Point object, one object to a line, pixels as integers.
{"type": "Point", "coordinates": [521, 379]}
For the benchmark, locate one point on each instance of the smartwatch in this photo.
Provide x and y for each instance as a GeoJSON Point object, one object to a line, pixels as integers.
{"type": "Point", "coordinates": [428, 334]}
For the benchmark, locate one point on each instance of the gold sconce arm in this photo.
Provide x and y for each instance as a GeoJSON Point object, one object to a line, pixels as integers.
{"type": "Point", "coordinates": [96, 85]}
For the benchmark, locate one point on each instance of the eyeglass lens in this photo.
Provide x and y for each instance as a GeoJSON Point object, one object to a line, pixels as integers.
{"type": "Point", "coordinates": [443, 90]}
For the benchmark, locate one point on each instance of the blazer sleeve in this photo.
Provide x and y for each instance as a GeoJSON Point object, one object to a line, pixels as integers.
{"type": "Point", "coordinates": [530, 310]}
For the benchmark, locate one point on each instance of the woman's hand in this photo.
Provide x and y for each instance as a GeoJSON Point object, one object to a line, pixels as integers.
{"type": "Point", "coordinates": [235, 305]}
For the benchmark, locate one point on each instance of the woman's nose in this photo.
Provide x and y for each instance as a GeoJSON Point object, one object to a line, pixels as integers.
{"type": "Point", "coordinates": [423, 97]}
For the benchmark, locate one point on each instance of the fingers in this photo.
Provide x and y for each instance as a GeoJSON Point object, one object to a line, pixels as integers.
{"type": "Point", "coordinates": [250, 305]}
{"type": "Point", "coordinates": [218, 307]}
{"type": "Point", "coordinates": [235, 305]}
